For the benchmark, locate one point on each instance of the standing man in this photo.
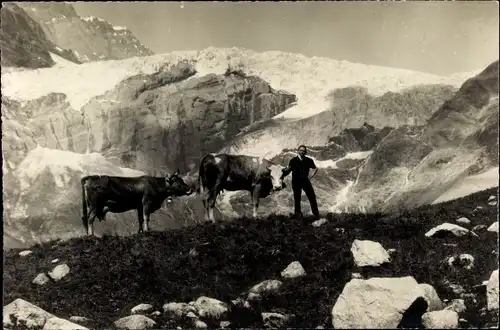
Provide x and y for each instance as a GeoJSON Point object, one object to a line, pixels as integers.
{"type": "Point", "coordinates": [299, 166]}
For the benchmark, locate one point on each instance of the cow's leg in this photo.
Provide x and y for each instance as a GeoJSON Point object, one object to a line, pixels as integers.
{"type": "Point", "coordinates": [140, 217]}
{"type": "Point", "coordinates": [255, 200]}
{"type": "Point", "coordinates": [147, 210]}
{"type": "Point", "coordinates": [206, 197]}
{"type": "Point", "coordinates": [90, 226]}
{"type": "Point", "coordinates": [213, 197]}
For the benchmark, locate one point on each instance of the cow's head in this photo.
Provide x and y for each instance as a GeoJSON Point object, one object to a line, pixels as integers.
{"type": "Point", "coordinates": [276, 174]}
{"type": "Point", "coordinates": [176, 185]}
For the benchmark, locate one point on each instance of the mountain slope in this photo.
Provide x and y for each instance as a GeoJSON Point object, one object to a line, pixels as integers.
{"type": "Point", "coordinates": [415, 165]}
{"type": "Point", "coordinates": [24, 43]}
{"type": "Point", "coordinates": [90, 38]}
{"type": "Point", "coordinates": [225, 261]}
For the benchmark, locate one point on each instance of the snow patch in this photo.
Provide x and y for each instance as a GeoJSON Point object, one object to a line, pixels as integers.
{"type": "Point", "coordinates": [61, 163]}
{"type": "Point", "coordinates": [93, 18]}
{"type": "Point", "coordinates": [119, 28]}
{"type": "Point", "coordinates": [470, 185]}
{"type": "Point", "coordinates": [341, 198]}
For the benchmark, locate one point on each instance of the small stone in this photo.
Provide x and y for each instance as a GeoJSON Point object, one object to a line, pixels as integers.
{"type": "Point", "coordinates": [41, 279]}
{"type": "Point", "coordinates": [493, 228]}
{"type": "Point", "coordinates": [224, 324]}
{"type": "Point", "coordinates": [156, 313]}
{"type": "Point", "coordinates": [191, 315]}
{"type": "Point", "coordinates": [463, 220]}
{"type": "Point", "coordinates": [492, 291]}
{"type": "Point", "coordinates": [369, 253]}
{"type": "Point", "coordinates": [293, 270]}
{"type": "Point", "coordinates": [25, 253]}
{"type": "Point", "coordinates": [79, 319]}
{"type": "Point", "coordinates": [59, 272]}
{"type": "Point", "coordinates": [141, 308]}
{"type": "Point", "coordinates": [200, 324]}
{"type": "Point", "coordinates": [492, 203]}
{"type": "Point", "coordinates": [135, 322]}
{"type": "Point", "coordinates": [319, 222]}
{"type": "Point", "coordinates": [448, 228]}
{"type": "Point", "coordinates": [55, 261]}
{"type": "Point", "coordinates": [356, 275]}
{"type": "Point", "coordinates": [492, 198]}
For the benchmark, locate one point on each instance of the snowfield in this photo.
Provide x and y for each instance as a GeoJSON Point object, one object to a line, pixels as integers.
{"type": "Point", "coordinates": [310, 78]}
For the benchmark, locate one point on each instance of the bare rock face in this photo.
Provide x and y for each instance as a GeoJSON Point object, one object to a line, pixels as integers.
{"type": "Point", "coordinates": [24, 42]}
{"type": "Point", "coordinates": [165, 120]}
{"type": "Point", "coordinates": [415, 165]}
{"type": "Point", "coordinates": [90, 38]}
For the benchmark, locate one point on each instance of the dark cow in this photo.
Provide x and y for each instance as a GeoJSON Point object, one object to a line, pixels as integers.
{"type": "Point", "coordinates": [237, 172]}
{"type": "Point", "coordinates": [103, 193]}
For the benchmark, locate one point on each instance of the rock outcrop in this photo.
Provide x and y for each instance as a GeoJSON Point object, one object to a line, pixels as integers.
{"type": "Point", "coordinates": [24, 43]}
{"type": "Point", "coordinates": [414, 165]}
{"type": "Point", "coordinates": [90, 38]}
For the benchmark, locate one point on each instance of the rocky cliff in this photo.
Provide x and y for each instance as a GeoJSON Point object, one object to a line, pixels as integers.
{"type": "Point", "coordinates": [415, 165]}
{"type": "Point", "coordinates": [24, 42]}
{"type": "Point", "coordinates": [91, 38]}
{"type": "Point", "coordinates": [148, 123]}
{"type": "Point", "coordinates": [351, 107]}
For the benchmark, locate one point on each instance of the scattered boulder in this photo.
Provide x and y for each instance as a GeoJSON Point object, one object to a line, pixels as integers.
{"type": "Point", "coordinates": [240, 302]}
{"type": "Point", "coordinates": [492, 198]}
{"type": "Point", "coordinates": [191, 315]}
{"type": "Point", "coordinates": [369, 253]}
{"type": "Point", "coordinates": [463, 221]}
{"type": "Point", "coordinates": [135, 322]}
{"type": "Point", "coordinates": [224, 324]}
{"type": "Point", "coordinates": [457, 305]}
{"type": "Point", "coordinates": [25, 253]}
{"type": "Point", "coordinates": [24, 311]}
{"type": "Point", "coordinates": [274, 320]}
{"type": "Point", "coordinates": [447, 228]}
{"type": "Point", "coordinates": [434, 303]}
{"type": "Point", "coordinates": [210, 307]}
{"type": "Point", "coordinates": [465, 261]}
{"type": "Point", "coordinates": [80, 319]}
{"type": "Point", "coordinates": [267, 286]}
{"type": "Point", "coordinates": [199, 324]}
{"type": "Point", "coordinates": [155, 313]}
{"type": "Point", "coordinates": [492, 203]}
{"type": "Point", "coordinates": [178, 310]}
{"type": "Point", "coordinates": [56, 323]}
{"type": "Point", "coordinates": [41, 279]}
{"type": "Point", "coordinates": [445, 319]}
{"type": "Point", "coordinates": [59, 272]}
{"type": "Point", "coordinates": [391, 251]}
{"type": "Point", "coordinates": [319, 222]}
{"type": "Point", "coordinates": [492, 291]}
{"type": "Point", "coordinates": [376, 302]}
{"type": "Point", "coordinates": [55, 261]}
{"type": "Point", "coordinates": [293, 270]}
{"type": "Point", "coordinates": [356, 275]}
{"type": "Point", "coordinates": [494, 227]}
{"type": "Point", "coordinates": [141, 308]}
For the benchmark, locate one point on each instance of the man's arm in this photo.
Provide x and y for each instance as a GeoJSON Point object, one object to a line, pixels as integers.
{"type": "Point", "coordinates": [287, 169]}
{"type": "Point", "coordinates": [312, 165]}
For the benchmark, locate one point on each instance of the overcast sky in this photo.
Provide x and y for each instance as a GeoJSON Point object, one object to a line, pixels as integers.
{"type": "Point", "coordinates": [436, 37]}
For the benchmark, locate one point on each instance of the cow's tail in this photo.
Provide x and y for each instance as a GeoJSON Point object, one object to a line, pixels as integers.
{"type": "Point", "coordinates": [85, 216]}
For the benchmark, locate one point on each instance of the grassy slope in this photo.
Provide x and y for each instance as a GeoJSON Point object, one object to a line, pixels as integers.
{"type": "Point", "coordinates": [111, 275]}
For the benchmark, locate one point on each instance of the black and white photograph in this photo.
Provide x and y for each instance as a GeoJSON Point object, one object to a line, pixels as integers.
{"type": "Point", "coordinates": [250, 165]}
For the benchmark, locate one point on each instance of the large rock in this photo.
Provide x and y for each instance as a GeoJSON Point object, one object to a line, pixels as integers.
{"type": "Point", "coordinates": [34, 316]}
{"type": "Point", "coordinates": [434, 303]}
{"type": "Point", "coordinates": [210, 308]}
{"type": "Point", "coordinates": [445, 319]}
{"type": "Point", "coordinates": [24, 311]}
{"type": "Point", "coordinates": [56, 323]}
{"type": "Point", "coordinates": [447, 228]}
{"type": "Point", "coordinates": [59, 272]}
{"type": "Point", "coordinates": [369, 253]}
{"type": "Point", "coordinates": [293, 270]}
{"type": "Point", "coordinates": [494, 227]}
{"type": "Point", "coordinates": [375, 303]}
{"type": "Point", "coordinates": [135, 322]}
{"type": "Point", "coordinates": [492, 291]}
